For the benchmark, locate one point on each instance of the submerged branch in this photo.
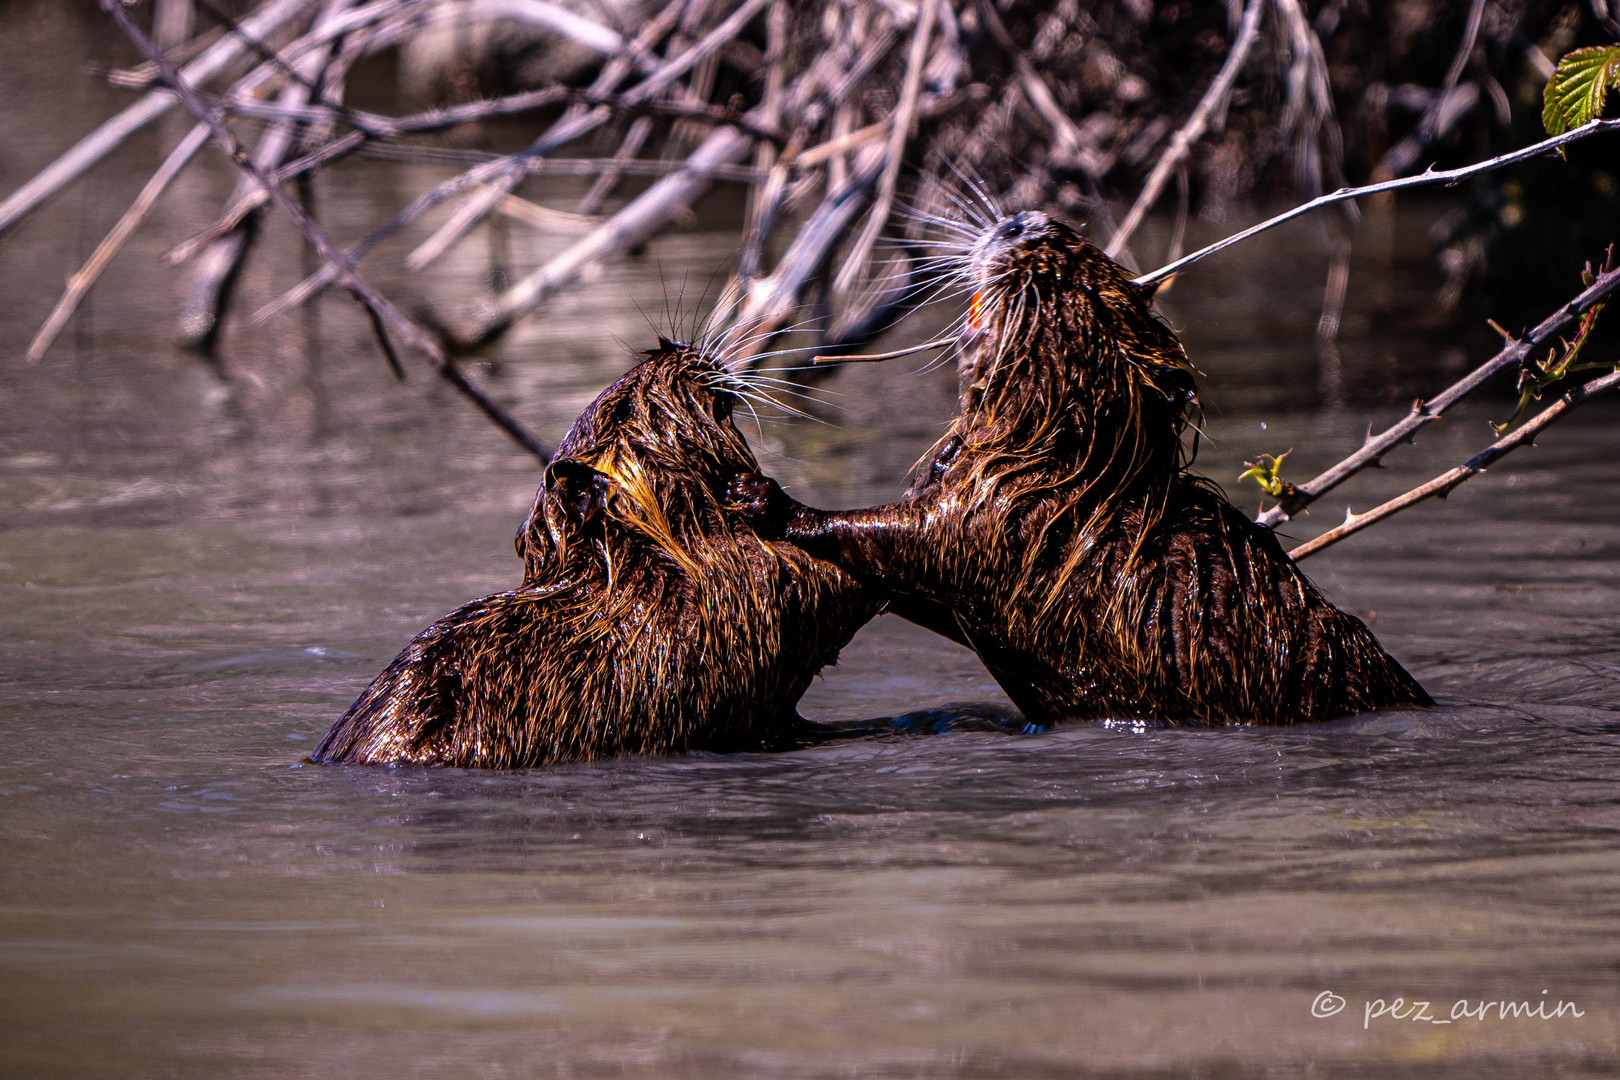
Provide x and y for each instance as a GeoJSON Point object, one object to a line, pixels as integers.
{"type": "Point", "coordinates": [377, 306]}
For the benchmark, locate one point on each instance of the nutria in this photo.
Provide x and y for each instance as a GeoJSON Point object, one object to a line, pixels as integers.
{"type": "Point", "coordinates": [1057, 531]}
{"type": "Point", "coordinates": [650, 619]}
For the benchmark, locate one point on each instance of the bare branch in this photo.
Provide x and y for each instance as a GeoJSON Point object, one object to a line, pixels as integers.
{"type": "Point", "coordinates": [655, 83]}
{"type": "Point", "coordinates": [899, 134]}
{"type": "Point", "coordinates": [1373, 450]}
{"type": "Point", "coordinates": [216, 272]}
{"type": "Point", "coordinates": [1450, 104]}
{"type": "Point", "coordinates": [576, 28]}
{"type": "Point", "coordinates": [1432, 176]}
{"type": "Point", "coordinates": [770, 302]}
{"type": "Point", "coordinates": [1070, 142]}
{"type": "Point", "coordinates": [80, 283]}
{"type": "Point", "coordinates": [99, 143]}
{"type": "Point", "coordinates": [1447, 482]}
{"type": "Point", "coordinates": [645, 215]}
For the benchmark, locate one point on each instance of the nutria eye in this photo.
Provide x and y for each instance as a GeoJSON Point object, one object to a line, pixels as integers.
{"type": "Point", "coordinates": [623, 410]}
{"type": "Point", "coordinates": [1011, 229]}
{"type": "Point", "coordinates": [722, 406]}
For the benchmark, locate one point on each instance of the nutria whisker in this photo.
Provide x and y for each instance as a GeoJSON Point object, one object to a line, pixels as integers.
{"type": "Point", "coordinates": [986, 212]}
{"type": "Point", "coordinates": [921, 214]}
{"type": "Point", "coordinates": [863, 358]}
{"type": "Point", "coordinates": [781, 406]}
{"type": "Point", "coordinates": [767, 387]}
{"type": "Point", "coordinates": [733, 347]}
{"type": "Point", "coordinates": [820, 394]}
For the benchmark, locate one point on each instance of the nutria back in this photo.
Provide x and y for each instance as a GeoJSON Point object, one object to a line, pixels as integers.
{"type": "Point", "coordinates": [651, 619]}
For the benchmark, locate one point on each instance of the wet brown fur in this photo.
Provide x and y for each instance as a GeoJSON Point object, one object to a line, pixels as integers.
{"type": "Point", "coordinates": [1058, 533]}
{"type": "Point", "coordinates": [650, 620]}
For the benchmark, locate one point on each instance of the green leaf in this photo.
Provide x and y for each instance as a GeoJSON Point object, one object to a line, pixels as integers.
{"type": "Point", "coordinates": [1578, 87]}
{"type": "Point", "coordinates": [1267, 472]}
{"type": "Point", "coordinates": [1535, 377]}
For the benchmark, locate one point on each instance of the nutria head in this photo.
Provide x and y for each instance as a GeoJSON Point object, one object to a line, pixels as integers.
{"type": "Point", "coordinates": [1064, 356]}
{"type": "Point", "coordinates": [652, 456]}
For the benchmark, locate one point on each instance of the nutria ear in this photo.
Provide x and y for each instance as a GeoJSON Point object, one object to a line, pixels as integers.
{"type": "Point", "coordinates": [578, 490]}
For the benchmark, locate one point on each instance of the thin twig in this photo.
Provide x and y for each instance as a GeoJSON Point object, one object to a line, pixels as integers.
{"type": "Point", "coordinates": [1069, 139]}
{"type": "Point", "coordinates": [821, 152]}
{"type": "Point", "coordinates": [770, 301]}
{"type": "Point", "coordinates": [375, 303]}
{"type": "Point", "coordinates": [1451, 103]}
{"type": "Point", "coordinates": [868, 358]}
{"type": "Point", "coordinates": [1447, 482]}
{"type": "Point", "coordinates": [655, 84]}
{"type": "Point", "coordinates": [635, 138]}
{"type": "Point", "coordinates": [544, 217]}
{"type": "Point", "coordinates": [1299, 496]}
{"type": "Point", "coordinates": [1432, 176]}
{"type": "Point", "coordinates": [372, 127]}
{"type": "Point", "coordinates": [337, 148]}
{"type": "Point", "coordinates": [631, 226]}
{"type": "Point", "coordinates": [1182, 141]}
{"type": "Point", "coordinates": [142, 76]}
{"type": "Point", "coordinates": [560, 166]}
{"type": "Point", "coordinates": [765, 195]}
{"type": "Point", "coordinates": [215, 274]}
{"type": "Point", "coordinates": [501, 179]}
{"type": "Point", "coordinates": [638, 220]}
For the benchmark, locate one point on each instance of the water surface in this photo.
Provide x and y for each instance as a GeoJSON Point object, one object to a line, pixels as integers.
{"type": "Point", "coordinates": [200, 567]}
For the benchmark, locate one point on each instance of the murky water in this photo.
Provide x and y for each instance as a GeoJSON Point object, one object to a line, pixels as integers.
{"type": "Point", "coordinates": [199, 569]}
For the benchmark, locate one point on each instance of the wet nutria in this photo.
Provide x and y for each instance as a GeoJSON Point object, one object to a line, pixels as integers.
{"type": "Point", "coordinates": [1058, 533]}
{"type": "Point", "coordinates": [650, 619]}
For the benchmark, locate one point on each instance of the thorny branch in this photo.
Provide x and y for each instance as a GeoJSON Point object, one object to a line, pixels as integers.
{"type": "Point", "coordinates": [1447, 482]}
{"type": "Point", "coordinates": [1515, 353]}
{"type": "Point", "coordinates": [1423, 179]}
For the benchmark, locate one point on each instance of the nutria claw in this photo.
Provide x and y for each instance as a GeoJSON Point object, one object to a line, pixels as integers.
{"type": "Point", "coordinates": [760, 501]}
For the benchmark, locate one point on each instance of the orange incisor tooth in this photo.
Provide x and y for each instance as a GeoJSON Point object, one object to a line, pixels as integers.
{"type": "Point", "coordinates": [975, 311]}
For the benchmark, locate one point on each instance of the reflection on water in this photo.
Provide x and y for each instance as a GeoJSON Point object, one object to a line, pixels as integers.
{"type": "Point", "coordinates": [199, 570]}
